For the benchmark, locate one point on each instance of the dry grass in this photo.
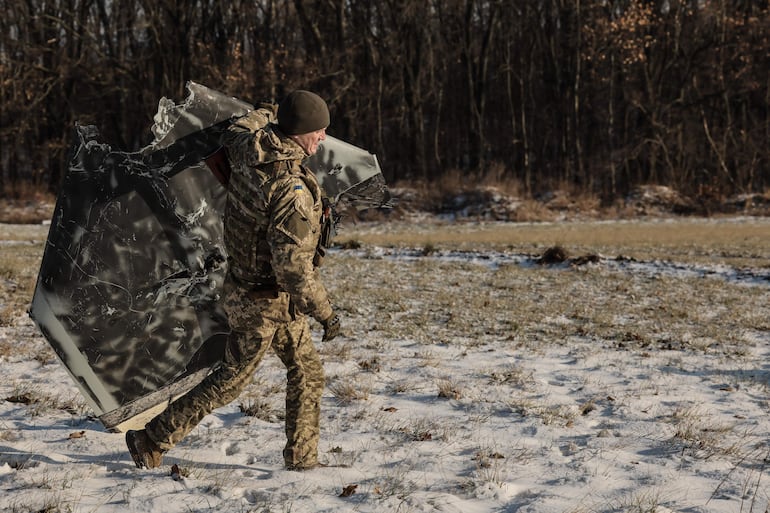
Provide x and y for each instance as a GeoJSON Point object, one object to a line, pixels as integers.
{"type": "Point", "coordinates": [19, 265]}
{"type": "Point", "coordinates": [701, 435]}
{"type": "Point", "coordinates": [260, 408]}
{"type": "Point", "coordinates": [447, 301]}
{"type": "Point", "coordinates": [411, 327]}
{"type": "Point", "coordinates": [39, 402]}
{"type": "Point", "coordinates": [26, 205]}
{"type": "Point", "coordinates": [731, 242]}
{"type": "Point", "coordinates": [442, 300]}
{"type": "Point", "coordinates": [347, 391]}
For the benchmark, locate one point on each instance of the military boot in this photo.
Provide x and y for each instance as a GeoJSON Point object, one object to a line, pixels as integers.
{"type": "Point", "coordinates": [144, 451]}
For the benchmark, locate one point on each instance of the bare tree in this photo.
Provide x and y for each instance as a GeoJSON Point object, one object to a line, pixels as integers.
{"type": "Point", "coordinates": [595, 95]}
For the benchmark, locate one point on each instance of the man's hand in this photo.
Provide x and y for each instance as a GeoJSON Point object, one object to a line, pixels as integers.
{"type": "Point", "coordinates": [331, 327]}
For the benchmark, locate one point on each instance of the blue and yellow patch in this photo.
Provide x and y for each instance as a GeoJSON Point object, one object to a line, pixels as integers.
{"type": "Point", "coordinates": [297, 187]}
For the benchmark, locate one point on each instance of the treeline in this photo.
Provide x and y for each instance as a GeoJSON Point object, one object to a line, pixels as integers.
{"type": "Point", "coordinates": [594, 95]}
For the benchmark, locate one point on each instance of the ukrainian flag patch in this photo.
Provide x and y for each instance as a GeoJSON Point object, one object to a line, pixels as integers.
{"type": "Point", "coordinates": [297, 187]}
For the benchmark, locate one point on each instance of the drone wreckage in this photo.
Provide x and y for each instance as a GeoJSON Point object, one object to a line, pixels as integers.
{"type": "Point", "coordinates": [129, 284]}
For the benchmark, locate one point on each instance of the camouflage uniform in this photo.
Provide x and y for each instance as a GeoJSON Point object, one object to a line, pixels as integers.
{"type": "Point", "coordinates": [272, 226]}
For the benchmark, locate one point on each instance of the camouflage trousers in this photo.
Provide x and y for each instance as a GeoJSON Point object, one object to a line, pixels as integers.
{"type": "Point", "coordinates": [258, 322]}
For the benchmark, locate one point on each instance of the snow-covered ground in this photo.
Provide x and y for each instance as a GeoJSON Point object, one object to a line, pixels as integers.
{"type": "Point", "coordinates": [465, 382]}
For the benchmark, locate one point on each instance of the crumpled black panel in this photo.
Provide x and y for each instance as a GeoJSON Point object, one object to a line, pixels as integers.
{"type": "Point", "coordinates": [129, 285]}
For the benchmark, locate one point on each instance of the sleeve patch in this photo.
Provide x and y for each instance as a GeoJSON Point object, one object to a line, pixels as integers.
{"type": "Point", "coordinates": [296, 227]}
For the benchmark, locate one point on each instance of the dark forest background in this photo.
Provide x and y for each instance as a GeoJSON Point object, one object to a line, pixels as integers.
{"type": "Point", "coordinates": [597, 96]}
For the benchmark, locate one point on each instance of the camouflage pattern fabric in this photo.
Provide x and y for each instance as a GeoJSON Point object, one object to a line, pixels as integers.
{"type": "Point", "coordinates": [272, 226]}
{"type": "Point", "coordinates": [130, 284]}
{"type": "Point", "coordinates": [258, 323]}
{"type": "Point", "coordinates": [272, 217]}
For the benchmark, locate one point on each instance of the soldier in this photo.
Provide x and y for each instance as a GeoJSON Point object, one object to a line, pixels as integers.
{"type": "Point", "coordinates": [271, 230]}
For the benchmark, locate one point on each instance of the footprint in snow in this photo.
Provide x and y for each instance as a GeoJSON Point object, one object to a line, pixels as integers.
{"type": "Point", "coordinates": [231, 448]}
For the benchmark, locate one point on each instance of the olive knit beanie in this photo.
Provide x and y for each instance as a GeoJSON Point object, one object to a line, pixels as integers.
{"type": "Point", "coordinates": [302, 112]}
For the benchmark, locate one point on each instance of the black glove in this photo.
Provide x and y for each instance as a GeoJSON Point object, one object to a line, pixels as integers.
{"type": "Point", "coordinates": [331, 327]}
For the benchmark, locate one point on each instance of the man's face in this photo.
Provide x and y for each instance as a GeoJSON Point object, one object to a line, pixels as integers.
{"type": "Point", "coordinates": [310, 140]}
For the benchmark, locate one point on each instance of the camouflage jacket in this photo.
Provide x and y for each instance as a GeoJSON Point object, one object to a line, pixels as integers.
{"type": "Point", "coordinates": [273, 214]}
